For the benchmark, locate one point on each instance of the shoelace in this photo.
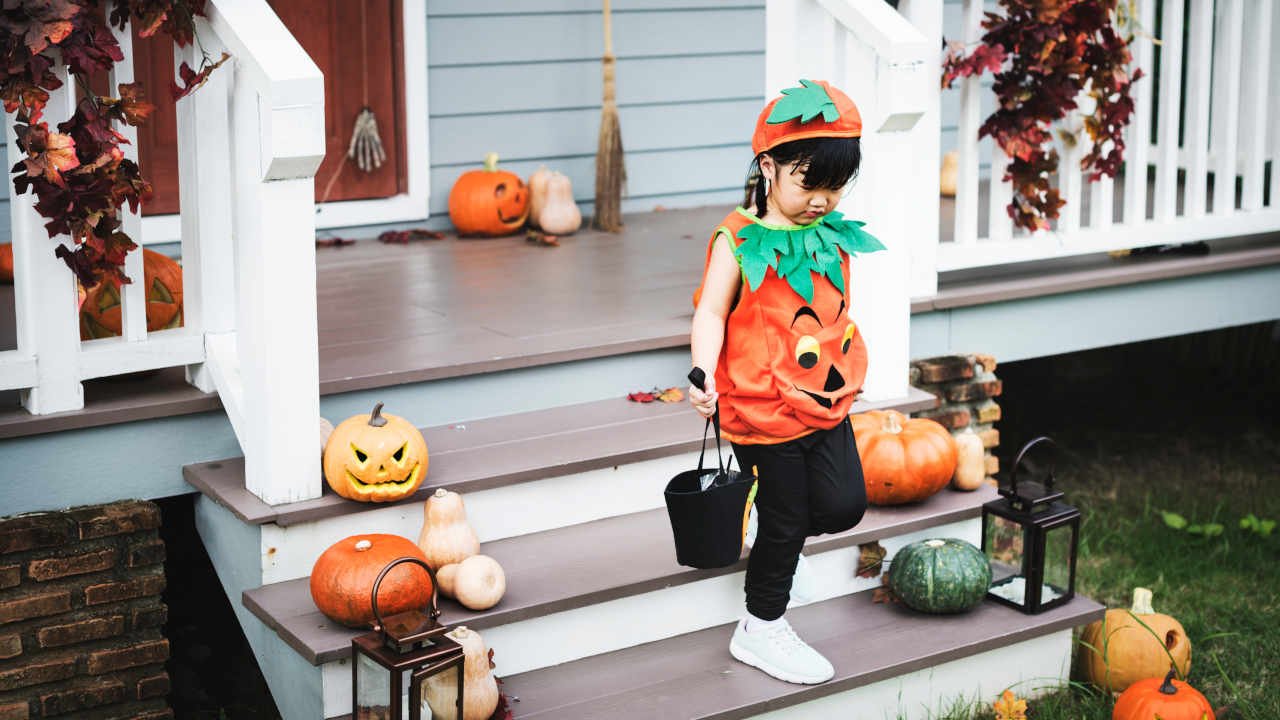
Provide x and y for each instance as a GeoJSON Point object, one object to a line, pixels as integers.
{"type": "Point", "coordinates": [786, 640]}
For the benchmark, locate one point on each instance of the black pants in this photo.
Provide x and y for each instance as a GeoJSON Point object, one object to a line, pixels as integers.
{"type": "Point", "coordinates": [808, 486]}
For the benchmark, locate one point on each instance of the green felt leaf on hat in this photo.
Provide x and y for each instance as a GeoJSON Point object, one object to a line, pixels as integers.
{"type": "Point", "coordinates": [805, 102]}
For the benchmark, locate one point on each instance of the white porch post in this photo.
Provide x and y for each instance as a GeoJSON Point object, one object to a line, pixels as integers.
{"type": "Point", "coordinates": [926, 144]}
{"type": "Point", "coordinates": [44, 288]}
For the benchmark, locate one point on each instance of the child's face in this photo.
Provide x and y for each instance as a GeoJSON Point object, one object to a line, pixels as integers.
{"type": "Point", "coordinates": [789, 197]}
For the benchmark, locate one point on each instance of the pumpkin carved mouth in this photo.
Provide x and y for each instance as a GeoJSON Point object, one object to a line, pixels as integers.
{"type": "Point", "coordinates": [410, 480]}
{"type": "Point", "coordinates": [835, 384]}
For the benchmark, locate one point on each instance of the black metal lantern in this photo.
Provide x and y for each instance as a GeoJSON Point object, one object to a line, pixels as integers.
{"type": "Point", "coordinates": [1030, 537]}
{"type": "Point", "coordinates": [403, 650]}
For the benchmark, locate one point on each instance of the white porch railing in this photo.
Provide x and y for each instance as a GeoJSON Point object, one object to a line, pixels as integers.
{"type": "Point", "coordinates": [890, 70]}
{"type": "Point", "coordinates": [250, 141]}
{"type": "Point", "coordinates": [1229, 94]}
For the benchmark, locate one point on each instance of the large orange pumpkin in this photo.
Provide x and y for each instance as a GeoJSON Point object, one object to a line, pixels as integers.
{"type": "Point", "coordinates": [488, 202]}
{"type": "Point", "coordinates": [6, 263]}
{"type": "Point", "coordinates": [1162, 699]}
{"type": "Point", "coordinates": [343, 576]}
{"type": "Point", "coordinates": [162, 276]}
{"type": "Point", "coordinates": [1118, 651]}
{"type": "Point", "coordinates": [902, 460]}
{"type": "Point", "coordinates": [375, 458]}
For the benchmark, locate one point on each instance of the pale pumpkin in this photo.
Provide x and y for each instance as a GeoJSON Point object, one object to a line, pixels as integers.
{"type": "Point", "coordinates": [538, 193]}
{"type": "Point", "coordinates": [446, 538]}
{"type": "Point", "coordinates": [971, 461]}
{"type": "Point", "coordinates": [559, 214]}
{"type": "Point", "coordinates": [375, 458]}
{"type": "Point", "coordinates": [326, 431]}
{"type": "Point", "coordinates": [1117, 651]}
{"type": "Point", "coordinates": [902, 460]}
{"type": "Point", "coordinates": [479, 582]}
{"type": "Point", "coordinates": [445, 577]}
{"type": "Point", "coordinates": [479, 688]}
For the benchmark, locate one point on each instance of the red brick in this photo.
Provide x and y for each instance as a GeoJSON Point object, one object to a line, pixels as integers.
{"type": "Point", "coordinates": [36, 672]}
{"type": "Point", "coordinates": [146, 554]}
{"type": "Point", "coordinates": [127, 590]}
{"type": "Point", "coordinates": [54, 568]}
{"type": "Point", "coordinates": [28, 532]}
{"type": "Point", "coordinates": [15, 711]}
{"type": "Point", "coordinates": [990, 438]}
{"type": "Point", "coordinates": [149, 617]}
{"type": "Point", "coordinates": [988, 362]}
{"type": "Point", "coordinates": [993, 464]}
{"type": "Point", "coordinates": [146, 653]}
{"type": "Point", "coordinates": [80, 631]}
{"type": "Point", "coordinates": [10, 646]}
{"type": "Point", "coordinates": [101, 691]}
{"type": "Point", "coordinates": [34, 605]}
{"type": "Point", "coordinates": [951, 418]}
{"type": "Point", "coordinates": [978, 390]}
{"type": "Point", "coordinates": [10, 576]}
{"type": "Point", "coordinates": [944, 369]}
{"type": "Point", "coordinates": [116, 519]}
{"type": "Point", "coordinates": [154, 686]}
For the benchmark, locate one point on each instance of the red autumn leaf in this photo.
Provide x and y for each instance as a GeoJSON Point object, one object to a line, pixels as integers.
{"type": "Point", "coordinates": [49, 154]}
{"type": "Point", "coordinates": [641, 397]}
{"type": "Point", "coordinates": [192, 79]}
{"type": "Point", "coordinates": [130, 107]}
{"type": "Point", "coordinates": [403, 237]}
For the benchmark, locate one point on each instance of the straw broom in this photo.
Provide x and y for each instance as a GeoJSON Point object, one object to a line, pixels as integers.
{"type": "Point", "coordinates": [610, 172]}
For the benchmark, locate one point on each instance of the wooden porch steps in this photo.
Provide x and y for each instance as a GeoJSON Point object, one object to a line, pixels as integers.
{"type": "Point", "coordinates": [693, 676]}
{"type": "Point", "coordinates": [573, 567]}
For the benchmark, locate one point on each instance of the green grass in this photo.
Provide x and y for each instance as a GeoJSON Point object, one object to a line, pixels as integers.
{"type": "Point", "coordinates": [1132, 451]}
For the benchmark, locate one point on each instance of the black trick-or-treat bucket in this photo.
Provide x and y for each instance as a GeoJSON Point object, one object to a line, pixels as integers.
{"type": "Point", "coordinates": [708, 508]}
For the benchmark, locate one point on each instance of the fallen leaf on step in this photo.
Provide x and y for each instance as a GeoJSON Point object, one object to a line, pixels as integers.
{"type": "Point", "coordinates": [870, 559]}
{"type": "Point", "coordinates": [643, 397]}
{"type": "Point", "coordinates": [334, 241]}
{"type": "Point", "coordinates": [402, 237]}
{"type": "Point", "coordinates": [541, 238]}
{"type": "Point", "coordinates": [671, 395]}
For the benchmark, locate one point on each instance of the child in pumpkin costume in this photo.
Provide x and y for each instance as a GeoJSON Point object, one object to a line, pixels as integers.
{"type": "Point", "coordinates": [783, 358]}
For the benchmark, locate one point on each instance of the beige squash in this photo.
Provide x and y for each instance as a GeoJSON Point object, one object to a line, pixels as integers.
{"type": "Point", "coordinates": [538, 193]}
{"type": "Point", "coordinates": [446, 537]}
{"type": "Point", "coordinates": [479, 583]}
{"type": "Point", "coordinates": [949, 173]}
{"type": "Point", "coordinates": [445, 578]}
{"type": "Point", "coordinates": [326, 429]}
{"type": "Point", "coordinates": [560, 214]}
{"type": "Point", "coordinates": [971, 461]}
{"type": "Point", "coordinates": [480, 689]}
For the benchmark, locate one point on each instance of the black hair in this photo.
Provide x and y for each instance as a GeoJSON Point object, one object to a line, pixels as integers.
{"type": "Point", "coordinates": [826, 162]}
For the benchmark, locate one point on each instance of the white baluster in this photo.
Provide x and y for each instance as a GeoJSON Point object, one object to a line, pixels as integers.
{"type": "Point", "coordinates": [1225, 119]}
{"type": "Point", "coordinates": [966, 230]}
{"type": "Point", "coordinates": [999, 224]}
{"type": "Point", "coordinates": [133, 296]}
{"type": "Point", "coordinates": [44, 288]}
{"type": "Point", "coordinates": [1071, 185]}
{"type": "Point", "coordinates": [1253, 114]}
{"type": "Point", "coordinates": [1166, 193]}
{"type": "Point", "coordinates": [926, 16]}
{"type": "Point", "coordinates": [1196, 140]}
{"type": "Point", "coordinates": [1138, 134]}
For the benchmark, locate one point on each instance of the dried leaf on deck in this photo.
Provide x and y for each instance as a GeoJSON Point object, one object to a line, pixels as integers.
{"type": "Point", "coordinates": [670, 395]}
{"type": "Point", "coordinates": [403, 237]}
{"type": "Point", "coordinates": [870, 559]}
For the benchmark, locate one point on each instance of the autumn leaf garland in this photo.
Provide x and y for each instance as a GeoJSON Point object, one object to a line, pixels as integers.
{"type": "Point", "coordinates": [796, 254]}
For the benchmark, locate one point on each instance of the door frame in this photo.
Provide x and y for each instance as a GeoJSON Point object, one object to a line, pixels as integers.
{"type": "Point", "coordinates": [408, 206]}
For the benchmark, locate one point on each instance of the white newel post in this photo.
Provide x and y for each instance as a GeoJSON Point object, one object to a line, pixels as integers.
{"type": "Point", "coordinates": [926, 144]}
{"type": "Point", "coordinates": [47, 319]}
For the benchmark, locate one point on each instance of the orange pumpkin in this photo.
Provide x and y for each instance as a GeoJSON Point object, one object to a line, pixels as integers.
{"type": "Point", "coordinates": [1167, 699]}
{"type": "Point", "coordinates": [488, 202]}
{"type": "Point", "coordinates": [902, 460]}
{"type": "Point", "coordinates": [6, 263]}
{"type": "Point", "coordinates": [1131, 644]}
{"type": "Point", "coordinates": [375, 457]}
{"type": "Point", "coordinates": [162, 276]}
{"type": "Point", "coordinates": [343, 576]}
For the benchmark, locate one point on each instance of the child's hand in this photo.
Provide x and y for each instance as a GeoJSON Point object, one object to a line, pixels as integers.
{"type": "Point", "coordinates": [704, 402]}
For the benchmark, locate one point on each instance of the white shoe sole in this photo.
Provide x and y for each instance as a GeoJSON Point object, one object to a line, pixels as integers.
{"type": "Point", "coordinates": [744, 655]}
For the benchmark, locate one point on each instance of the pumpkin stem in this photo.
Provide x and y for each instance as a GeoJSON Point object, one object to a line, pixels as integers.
{"type": "Point", "coordinates": [892, 424]}
{"type": "Point", "coordinates": [491, 162]}
{"type": "Point", "coordinates": [441, 492]}
{"type": "Point", "coordinates": [375, 418]}
{"type": "Point", "coordinates": [1142, 602]}
{"type": "Point", "coordinates": [1168, 688]}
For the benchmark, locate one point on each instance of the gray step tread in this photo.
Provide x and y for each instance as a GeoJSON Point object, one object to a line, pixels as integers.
{"type": "Point", "coordinates": [582, 565]}
{"type": "Point", "coordinates": [508, 449]}
{"type": "Point", "coordinates": [693, 676]}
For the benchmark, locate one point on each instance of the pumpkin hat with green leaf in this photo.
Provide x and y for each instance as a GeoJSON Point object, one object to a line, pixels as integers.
{"type": "Point", "coordinates": [792, 360]}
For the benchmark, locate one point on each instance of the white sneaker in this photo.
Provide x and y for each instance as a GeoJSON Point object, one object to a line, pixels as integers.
{"type": "Point", "coordinates": [781, 653]}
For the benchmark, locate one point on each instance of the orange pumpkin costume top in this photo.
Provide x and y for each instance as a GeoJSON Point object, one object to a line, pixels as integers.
{"type": "Point", "coordinates": [792, 361]}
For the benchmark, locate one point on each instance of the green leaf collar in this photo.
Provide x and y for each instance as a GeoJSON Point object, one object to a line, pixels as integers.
{"type": "Point", "coordinates": [796, 253]}
{"type": "Point", "coordinates": [805, 102]}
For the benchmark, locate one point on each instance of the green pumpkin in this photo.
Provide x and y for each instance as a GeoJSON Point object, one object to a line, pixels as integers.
{"type": "Point", "coordinates": [940, 576]}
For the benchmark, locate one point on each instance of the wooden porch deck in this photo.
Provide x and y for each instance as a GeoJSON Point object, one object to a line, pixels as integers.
{"type": "Point", "coordinates": [394, 314]}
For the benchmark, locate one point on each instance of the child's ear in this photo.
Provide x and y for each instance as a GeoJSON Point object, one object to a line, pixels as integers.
{"type": "Point", "coordinates": [768, 168]}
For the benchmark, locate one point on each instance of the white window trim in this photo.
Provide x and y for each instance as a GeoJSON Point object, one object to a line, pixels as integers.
{"type": "Point", "coordinates": [406, 207]}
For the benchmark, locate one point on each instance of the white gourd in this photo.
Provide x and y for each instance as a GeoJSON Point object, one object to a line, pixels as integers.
{"type": "Point", "coordinates": [971, 464]}
{"type": "Point", "coordinates": [559, 214]}
{"type": "Point", "coordinates": [538, 193]}
{"type": "Point", "coordinates": [479, 582]}
{"type": "Point", "coordinates": [480, 689]}
{"type": "Point", "coordinates": [446, 537]}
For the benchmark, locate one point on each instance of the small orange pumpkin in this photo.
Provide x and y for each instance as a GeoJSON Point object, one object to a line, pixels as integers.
{"type": "Point", "coordinates": [1167, 699]}
{"type": "Point", "coordinates": [162, 276]}
{"type": "Point", "coordinates": [375, 457]}
{"type": "Point", "coordinates": [1118, 651]}
{"type": "Point", "coordinates": [902, 460]}
{"type": "Point", "coordinates": [6, 264]}
{"type": "Point", "coordinates": [343, 576]}
{"type": "Point", "coordinates": [488, 202]}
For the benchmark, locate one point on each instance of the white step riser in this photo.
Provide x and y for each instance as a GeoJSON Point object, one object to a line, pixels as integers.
{"type": "Point", "coordinates": [520, 509]}
{"type": "Point", "coordinates": [638, 619]}
{"type": "Point", "coordinates": [1030, 668]}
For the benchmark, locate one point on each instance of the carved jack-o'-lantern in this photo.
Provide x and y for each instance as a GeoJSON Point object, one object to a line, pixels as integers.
{"type": "Point", "coordinates": [100, 312]}
{"type": "Point", "coordinates": [375, 458]}
{"type": "Point", "coordinates": [489, 201]}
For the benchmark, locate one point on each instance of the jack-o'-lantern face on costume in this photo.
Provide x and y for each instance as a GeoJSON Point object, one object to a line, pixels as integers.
{"type": "Point", "coordinates": [817, 351]}
{"type": "Point", "coordinates": [375, 458]}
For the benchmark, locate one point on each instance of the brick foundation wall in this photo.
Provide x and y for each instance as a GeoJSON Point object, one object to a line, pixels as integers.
{"type": "Point", "coordinates": [81, 615]}
{"type": "Point", "coordinates": [966, 386]}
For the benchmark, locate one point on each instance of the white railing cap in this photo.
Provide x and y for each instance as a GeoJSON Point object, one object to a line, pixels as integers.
{"type": "Point", "coordinates": [882, 28]}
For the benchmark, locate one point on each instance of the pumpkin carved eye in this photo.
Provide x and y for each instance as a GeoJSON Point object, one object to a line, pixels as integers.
{"type": "Point", "coordinates": [807, 351]}
{"type": "Point", "coordinates": [159, 293]}
{"type": "Point", "coordinates": [399, 454]}
{"type": "Point", "coordinates": [848, 338]}
{"type": "Point", "coordinates": [361, 457]}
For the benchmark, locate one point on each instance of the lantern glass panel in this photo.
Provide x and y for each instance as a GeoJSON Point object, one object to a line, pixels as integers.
{"type": "Point", "coordinates": [1058, 542]}
{"type": "Point", "coordinates": [373, 689]}
{"type": "Point", "coordinates": [1005, 545]}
